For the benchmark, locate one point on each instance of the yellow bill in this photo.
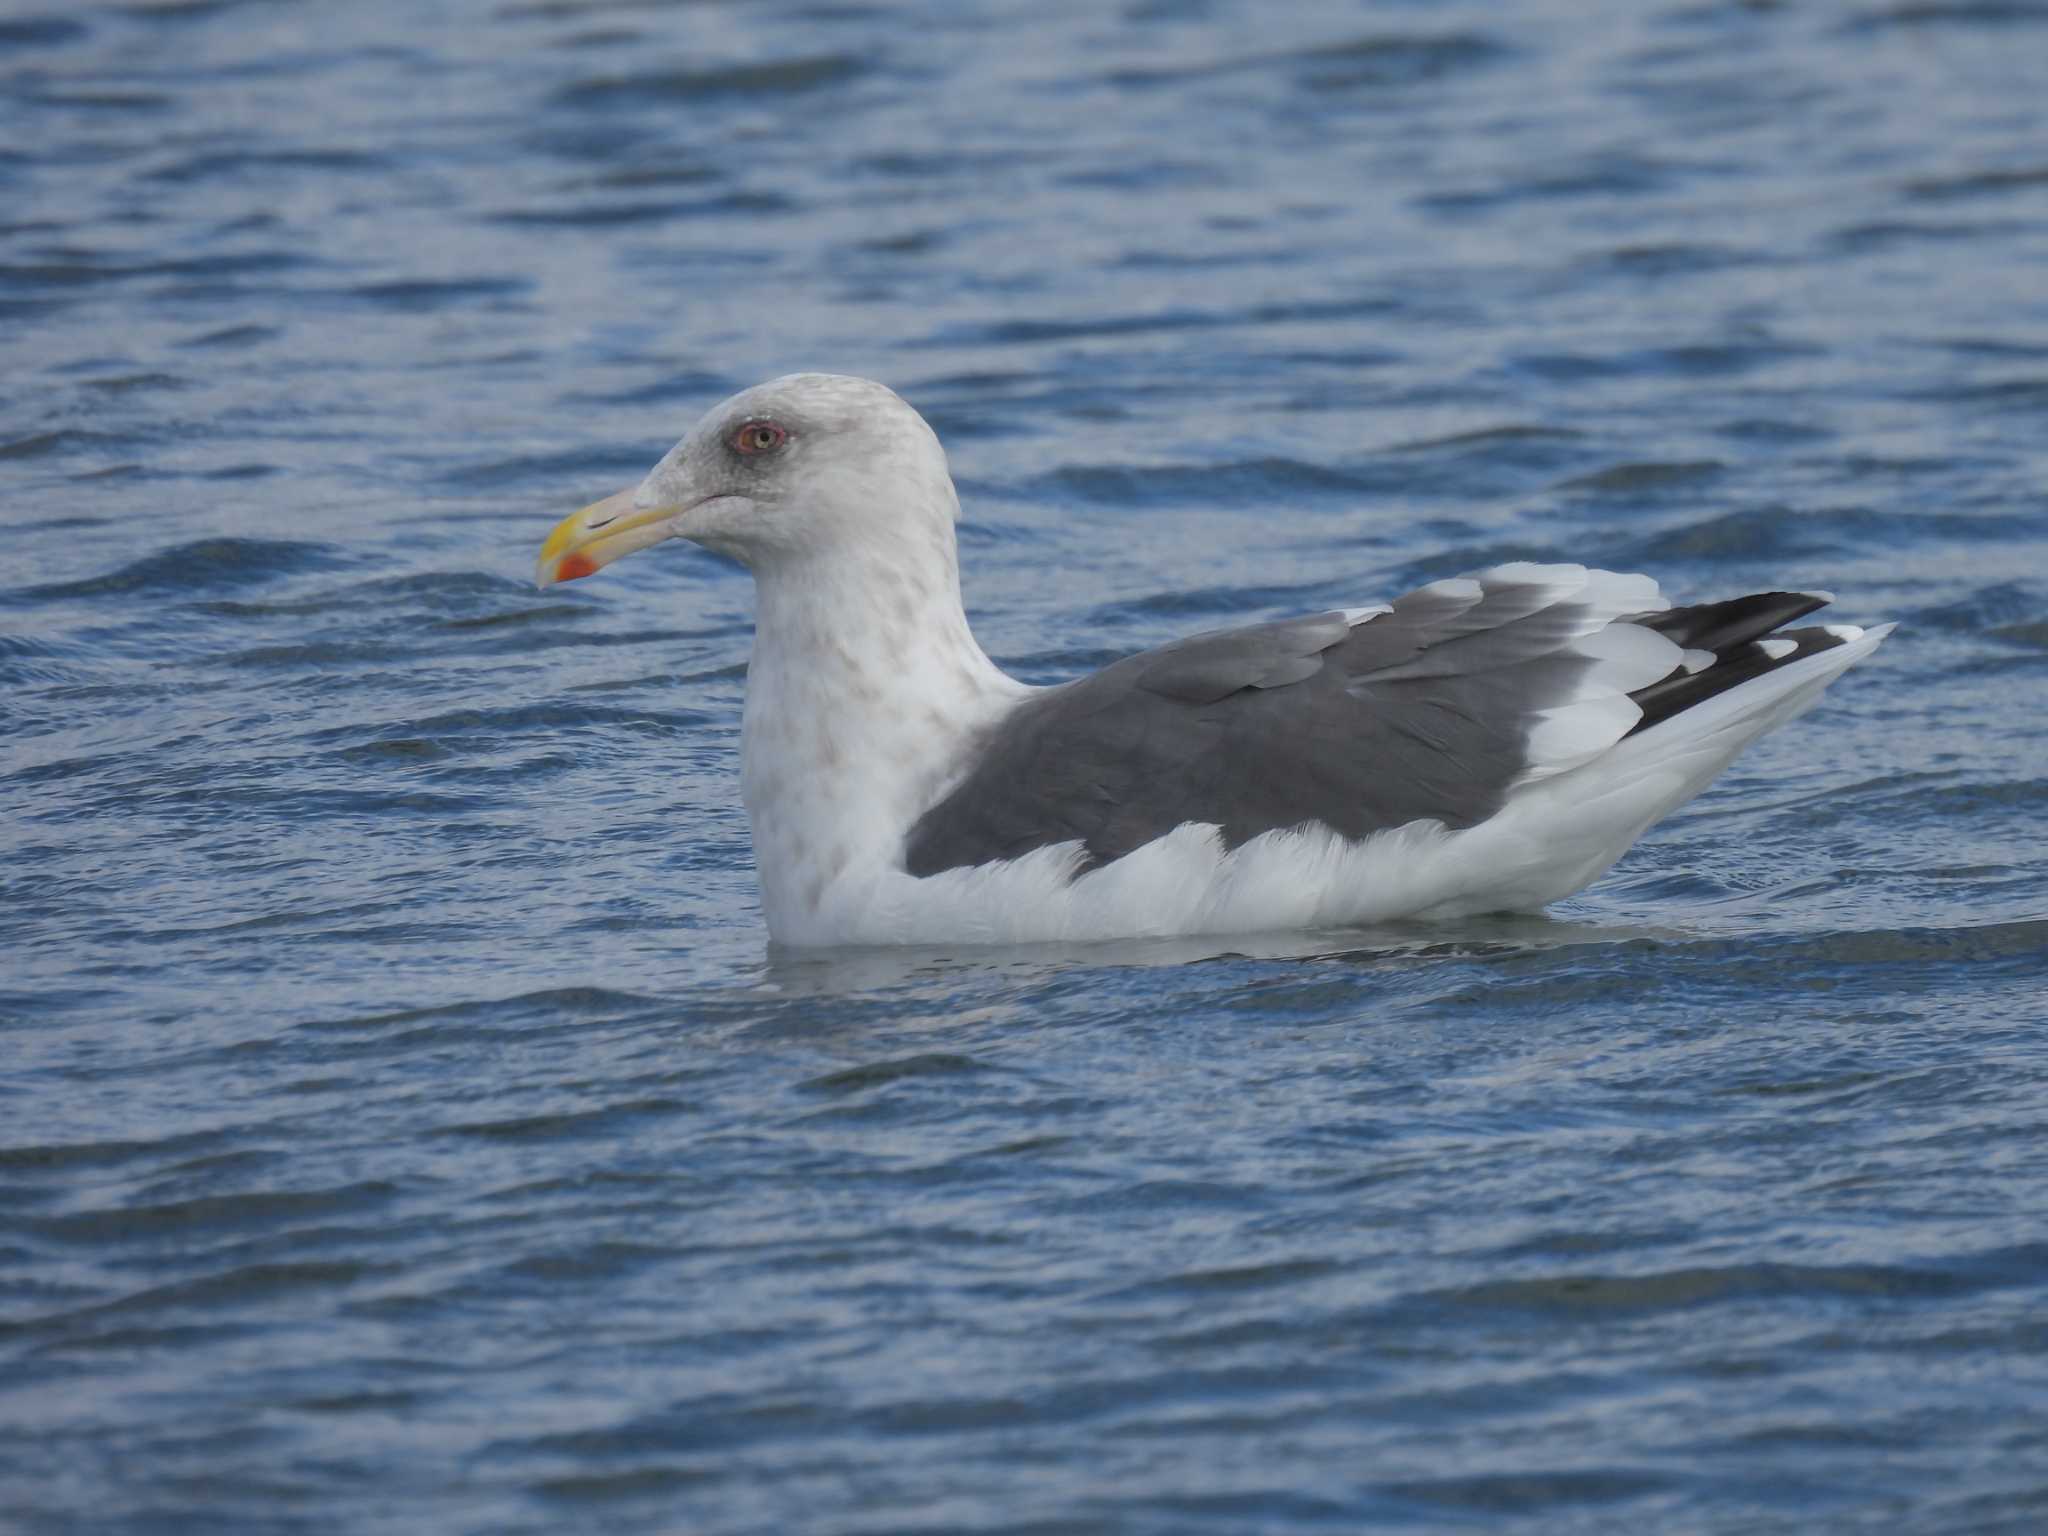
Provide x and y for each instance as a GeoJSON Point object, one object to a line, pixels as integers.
{"type": "Point", "coordinates": [593, 538]}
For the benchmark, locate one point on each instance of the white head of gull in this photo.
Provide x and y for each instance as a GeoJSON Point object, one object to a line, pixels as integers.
{"type": "Point", "coordinates": [1487, 743]}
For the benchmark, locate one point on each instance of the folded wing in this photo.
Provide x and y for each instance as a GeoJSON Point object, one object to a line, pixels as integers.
{"type": "Point", "coordinates": [1436, 707]}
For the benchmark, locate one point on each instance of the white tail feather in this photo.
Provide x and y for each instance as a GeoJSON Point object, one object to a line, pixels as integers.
{"type": "Point", "coordinates": [1562, 831]}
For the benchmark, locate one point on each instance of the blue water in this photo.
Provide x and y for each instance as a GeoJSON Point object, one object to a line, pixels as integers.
{"type": "Point", "coordinates": [404, 1125]}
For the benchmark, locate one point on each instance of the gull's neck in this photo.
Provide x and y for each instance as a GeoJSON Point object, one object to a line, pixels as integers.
{"type": "Point", "coordinates": [865, 694]}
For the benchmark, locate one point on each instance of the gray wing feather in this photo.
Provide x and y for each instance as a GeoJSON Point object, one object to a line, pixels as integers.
{"type": "Point", "coordinates": [1206, 668]}
{"type": "Point", "coordinates": [1423, 711]}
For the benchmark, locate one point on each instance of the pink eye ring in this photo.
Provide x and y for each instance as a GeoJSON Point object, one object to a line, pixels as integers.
{"type": "Point", "coordinates": [758, 437]}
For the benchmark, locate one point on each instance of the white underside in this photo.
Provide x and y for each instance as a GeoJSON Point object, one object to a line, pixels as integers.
{"type": "Point", "coordinates": [1555, 834]}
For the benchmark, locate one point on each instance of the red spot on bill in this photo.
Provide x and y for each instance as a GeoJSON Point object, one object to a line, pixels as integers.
{"type": "Point", "coordinates": [573, 566]}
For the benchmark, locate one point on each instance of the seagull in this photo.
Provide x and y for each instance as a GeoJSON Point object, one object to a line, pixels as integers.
{"type": "Point", "coordinates": [1488, 743]}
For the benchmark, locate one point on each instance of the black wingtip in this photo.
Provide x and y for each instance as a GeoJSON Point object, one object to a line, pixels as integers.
{"type": "Point", "coordinates": [1745, 636]}
{"type": "Point", "coordinates": [1721, 627]}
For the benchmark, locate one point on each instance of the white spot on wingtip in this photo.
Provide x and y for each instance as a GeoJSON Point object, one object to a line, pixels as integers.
{"type": "Point", "coordinates": [1777, 650]}
{"type": "Point", "coordinates": [1844, 631]}
{"type": "Point", "coordinates": [1696, 661]}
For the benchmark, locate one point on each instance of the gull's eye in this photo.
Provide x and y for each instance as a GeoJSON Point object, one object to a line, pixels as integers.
{"type": "Point", "coordinates": [759, 437]}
